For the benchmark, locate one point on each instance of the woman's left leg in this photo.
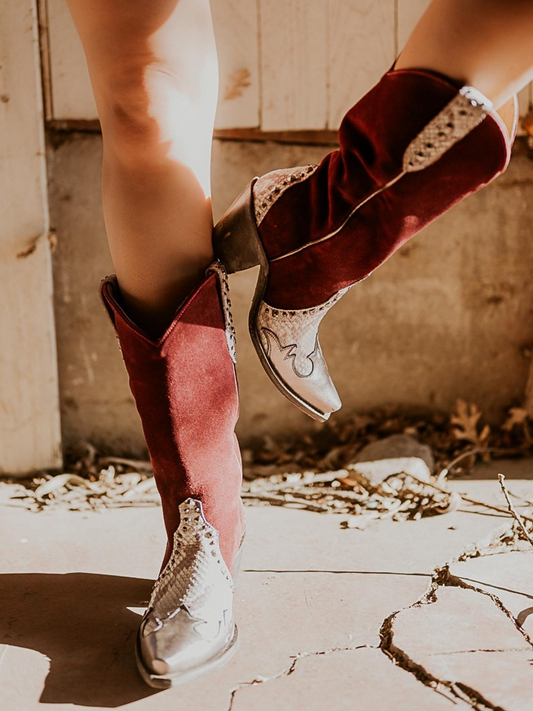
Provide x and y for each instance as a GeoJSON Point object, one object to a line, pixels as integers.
{"type": "Point", "coordinates": [484, 43]}
{"type": "Point", "coordinates": [419, 142]}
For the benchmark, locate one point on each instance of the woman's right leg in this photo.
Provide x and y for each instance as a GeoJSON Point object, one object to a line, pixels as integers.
{"type": "Point", "coordinates": [154, 73]}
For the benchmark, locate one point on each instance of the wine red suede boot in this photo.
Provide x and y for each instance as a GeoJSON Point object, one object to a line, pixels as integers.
{"type": "Point", "coordinates": [410, 149]}
{"type": "Point", "coordinates": [185, 389]}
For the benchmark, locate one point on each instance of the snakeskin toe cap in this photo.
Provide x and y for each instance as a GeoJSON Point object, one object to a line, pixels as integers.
{"type": "Point", "coordinates": [188, 627]}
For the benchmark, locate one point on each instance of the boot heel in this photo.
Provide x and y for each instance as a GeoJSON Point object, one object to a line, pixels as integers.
{"type": "Point", "coordinates": [235, 238]}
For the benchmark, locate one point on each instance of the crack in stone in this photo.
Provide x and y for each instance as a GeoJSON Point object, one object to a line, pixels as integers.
{"type": "Point", "coordinates": [452, 691]}
{"type": "Point", "coordinates": [338, 572]}
{"type": "Point", "coordinates": [500, 542]}
{"type": "Point", "coordinates": [444, 578]}
{"type": "Point", "coordinates": [473, 651]}
{"type": "Point", "coordinates": [292, 668]}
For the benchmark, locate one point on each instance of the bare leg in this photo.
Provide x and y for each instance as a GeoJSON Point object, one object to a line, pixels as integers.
{"type": "Point", "coordinates": [487, 44]}
{"type": "Point", "coordinates": [154, 73]}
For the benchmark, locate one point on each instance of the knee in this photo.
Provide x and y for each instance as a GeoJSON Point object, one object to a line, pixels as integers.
{"type": "Point", "coordinates": [139, 109]}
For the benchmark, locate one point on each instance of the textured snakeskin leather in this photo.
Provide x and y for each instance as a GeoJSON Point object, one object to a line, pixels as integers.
{"type": "Point", "coordinates": [296, 332]}
{"type": "Point", "coordinates": [464, 112]}
{"type": "Point", "coordinates": [196, 575]}
{"type": "Point", "coordinates": [219, 269]}
{"type": "Point", "coordinates": [270, 187]}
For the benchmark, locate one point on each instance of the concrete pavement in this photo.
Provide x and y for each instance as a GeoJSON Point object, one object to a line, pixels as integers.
{"type": "Point", "coordinates": [329, 618]}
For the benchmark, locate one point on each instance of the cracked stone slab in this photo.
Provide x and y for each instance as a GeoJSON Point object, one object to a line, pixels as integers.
{"type": "Point", "coordinates": [465, 640]}
{"type": "Point", "coordinates": [507, 575]}
{"type": "Point", "coordinates": [316, 542]}
{"type": "Point", "coordinates": [307, 586]}
{"type": "Point", "coordinates": [342, 680]}
{"type": "Point", "coordinates": [281, 615]}
{"type": "Point", "coordinates": [70, 634]}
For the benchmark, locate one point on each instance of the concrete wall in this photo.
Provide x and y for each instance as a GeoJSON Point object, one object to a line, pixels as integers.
{"type": "Point", "coordinates": [450, 315]}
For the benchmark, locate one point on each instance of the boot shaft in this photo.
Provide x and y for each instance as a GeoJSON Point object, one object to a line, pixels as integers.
{"type": "Point", "coordinates": [409, 150]}
{"type": "Point", "coordinates": [185, 390]}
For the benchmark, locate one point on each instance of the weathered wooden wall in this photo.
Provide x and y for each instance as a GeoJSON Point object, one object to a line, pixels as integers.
{"type": "Point", "coordinates": [29, 405]}
{"type": "Point", "coordinates": [285, 64]}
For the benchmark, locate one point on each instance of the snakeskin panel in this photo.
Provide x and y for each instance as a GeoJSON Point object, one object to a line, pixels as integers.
{"type": "Point", "coordinates": [464, 112]}
{"type": "Point", "coordinates": [295, 332]}
{"type": "Point", "coordinates": [219, 269]}
{"type": "Point", "coordinates": [196, 575]}
{"type": "Point", "coordinates": [270, 187]}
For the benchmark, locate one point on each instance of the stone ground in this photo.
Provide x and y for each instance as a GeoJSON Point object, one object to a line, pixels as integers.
{"type": "Point", "coordinates": [328, 618]}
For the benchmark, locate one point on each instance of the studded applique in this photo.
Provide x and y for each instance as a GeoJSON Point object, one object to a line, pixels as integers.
{"type": "Point", "coordinates": [270, 187]}
{"type": "Point", "coordinates": [219, 269]}
{"type": "Point", "coordinates": [196, 576]}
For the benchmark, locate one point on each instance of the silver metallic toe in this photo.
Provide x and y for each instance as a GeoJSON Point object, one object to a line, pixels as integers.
{"type": "Point", "coordinates": [188, 628]}
{"type": "Point", "coordinates": [289, 347]}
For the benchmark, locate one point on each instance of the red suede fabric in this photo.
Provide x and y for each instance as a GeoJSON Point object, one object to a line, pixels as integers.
{"type": "Point", "coordinates": [373, 137]}
{"type": "Point", "coordinates": [185, 389]}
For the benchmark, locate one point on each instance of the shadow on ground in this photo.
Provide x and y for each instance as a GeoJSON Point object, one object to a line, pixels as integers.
{"type": "Point", "coordinates": [82, 623]}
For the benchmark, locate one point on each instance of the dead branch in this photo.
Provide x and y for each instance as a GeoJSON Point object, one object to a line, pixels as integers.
{"type": "Point", "coordinates": [278, 500]}
{"type": "Point", "coordinates": [500, 509]}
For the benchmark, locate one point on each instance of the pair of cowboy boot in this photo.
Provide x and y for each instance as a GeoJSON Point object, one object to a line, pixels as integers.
{"type": "Point", "coordinates": [414, 146]}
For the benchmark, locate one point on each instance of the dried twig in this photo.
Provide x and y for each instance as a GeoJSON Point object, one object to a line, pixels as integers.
{"type": "Point", "coordinates": [514, 512]}
{"type": "Point", "coordinates": [141, 465]}
{"type": "Point", "coordinates": [500, 509]}
{"type": "Point", "coordinates": [312, 471]}
{"type": "Point", "coordinates": [473, 452]}
{"type": "Point", "coordinates": [284, 500]}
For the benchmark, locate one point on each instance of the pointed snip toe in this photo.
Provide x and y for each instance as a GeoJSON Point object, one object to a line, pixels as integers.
{"type": "Point", "coordinates": [288, 346]}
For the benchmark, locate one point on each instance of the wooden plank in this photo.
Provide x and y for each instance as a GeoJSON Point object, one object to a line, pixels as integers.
{"type": "Point", "coordinates": [72, 96]}
{"type": "Point", "coordinates": [44, 46]}
{"type": "Point", "coordinates": [237, 37]}
{"type": "Point", "coordinates": [409, 12]}
{"type": "Point", "coordinates": [293, 64]}
{"type": "Point", "coordinates": [29, 403]}
{"type": "Point", "coordinates": [361, 48]}
{"type": "Point", "coordinates": [236, 28]}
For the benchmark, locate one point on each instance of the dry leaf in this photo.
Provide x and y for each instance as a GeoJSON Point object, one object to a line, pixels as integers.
{"type": "Point", "coordinates": [59, 481]}
{"type": "Point", "coordinates": [517, 416]}
{"type": "Point", "coordinates": [466, 421]}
